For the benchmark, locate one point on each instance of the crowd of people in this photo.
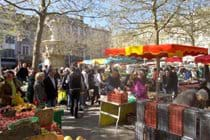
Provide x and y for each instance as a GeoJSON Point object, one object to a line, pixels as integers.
{"type": "Point", "coordinates": [82, 83]}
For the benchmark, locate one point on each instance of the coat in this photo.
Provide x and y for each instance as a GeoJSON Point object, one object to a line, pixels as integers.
{"type": "Point", "coordinates": [50, 90]}
{"type": "Point", "coordinates": [6, 92]}
{"type": "Point", "coordinates": [40, 95]}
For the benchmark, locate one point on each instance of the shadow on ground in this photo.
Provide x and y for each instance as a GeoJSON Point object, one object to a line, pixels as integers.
{"type": "Point", "coordinates": [87, 126]}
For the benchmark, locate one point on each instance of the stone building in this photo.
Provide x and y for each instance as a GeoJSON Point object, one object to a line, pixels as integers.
{"type": "Point", "coordinates": [79, 38]}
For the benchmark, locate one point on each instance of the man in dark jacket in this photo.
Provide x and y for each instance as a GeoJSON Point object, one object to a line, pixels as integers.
{"type": "Point", "coordinates": [75, 87]}
{"type": "Point", "coordinates": [50, 84]}
{"type": "Point", "coordinates": [22, 74]}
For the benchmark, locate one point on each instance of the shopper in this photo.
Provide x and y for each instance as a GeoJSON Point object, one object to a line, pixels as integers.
{"type": "Point", "coordinates": [40, 95]}
{"type": "Point", "coordinates": [51, 89]}
{"type": "Point", "coordinates": [22, 74]}
{"type": "Point", "coordinates": [30, 89]}
{"type": "Point", "coordinates": [75, 88]}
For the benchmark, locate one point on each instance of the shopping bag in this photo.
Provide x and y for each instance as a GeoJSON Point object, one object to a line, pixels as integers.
{"type": "Point", "coordinates": [62, 96]}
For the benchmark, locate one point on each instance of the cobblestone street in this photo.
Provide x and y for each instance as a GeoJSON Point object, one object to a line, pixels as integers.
{"type": "Point", "coordinates": [87, 126]}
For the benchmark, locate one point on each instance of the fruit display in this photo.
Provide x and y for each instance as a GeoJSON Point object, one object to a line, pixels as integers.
{"type": "Point", "coordinates": [53, 128]}
{"type": "Point", "coordinates": [24, 107]}
{"type": "Point", "coordinates": [68, 138]}
{"type": "Point", "coordinates": [11, 114]}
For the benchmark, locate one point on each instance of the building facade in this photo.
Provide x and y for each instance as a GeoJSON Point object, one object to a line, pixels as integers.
{"type": "Point", "coordinates": [79, 39]}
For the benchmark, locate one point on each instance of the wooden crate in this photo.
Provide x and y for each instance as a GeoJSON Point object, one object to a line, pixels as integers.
{"type": "Point", "coordinates": [118, 98]}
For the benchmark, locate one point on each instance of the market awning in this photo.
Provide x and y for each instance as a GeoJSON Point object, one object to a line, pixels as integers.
{"type": "Point", "coordinates": [170, 50]}
{"type": "Point", "coordinates": [153, 51]}
{"type": "Point", "coordinates": [174, 59]}
{"type": "Point", "coordinates": [205, 59]}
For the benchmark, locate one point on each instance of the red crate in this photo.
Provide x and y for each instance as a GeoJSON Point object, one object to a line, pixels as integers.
{"type": "Point", "coordinates": [150, 114]}
{"type": "Point", "coordinates": [176, 119]}
{"type": "Point", "coordinates": [118, 97]}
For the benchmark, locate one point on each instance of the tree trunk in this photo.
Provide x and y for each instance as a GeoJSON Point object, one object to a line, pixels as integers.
{"type": "Point", "coordinates": [192, 40]}
{"type": "Point", "coordinates": [37, 42]}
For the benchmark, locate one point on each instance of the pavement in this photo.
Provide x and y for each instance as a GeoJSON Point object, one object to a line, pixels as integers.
{"type": "Point", "coordinates": [87, 126]}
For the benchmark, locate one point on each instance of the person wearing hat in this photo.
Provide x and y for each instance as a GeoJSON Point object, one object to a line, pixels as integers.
{"type": "Point", "coordinates": [9, 87]}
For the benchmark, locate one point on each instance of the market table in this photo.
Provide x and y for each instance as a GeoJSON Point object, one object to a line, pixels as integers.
{"type": "Point", "coordinates": [111, 112]}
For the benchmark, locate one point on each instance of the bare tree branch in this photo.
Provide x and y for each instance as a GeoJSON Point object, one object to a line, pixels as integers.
{"type": "Point", "coordinates": [66, 12]}
{"type": "Point", "coordinates": [21, 8]}
{"type": "Point", "coordinates": [170, 17]}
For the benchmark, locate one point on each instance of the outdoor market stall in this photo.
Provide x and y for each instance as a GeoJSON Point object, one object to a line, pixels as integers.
{"type": "Point", "coordinates": [25, 120]}
{"type": "Point", "coordinates": [154, 51]}
{"type": "Point", "coordinates": [102, 61]}
{"type": "Point", "coordinates": [158, 51]}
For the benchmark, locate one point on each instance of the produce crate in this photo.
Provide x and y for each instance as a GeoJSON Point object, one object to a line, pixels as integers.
{"type": "Point", "coordinates": [163, 117]}
{"type": "Point", "coordinates": [187, 138]}
{"type": "Point", "coordinates": [204, 126]}
{"type": "Point", "coordinates": [150, 116]}
{"type": "Point", "coordinates": [176, 119]}
{"type": "Point", "coordinates": [58, 116]}
{"type": "Point", "coordinates": [140, 105]}
{"type": "Point", "coordinates": [118, 97]}
{"type": "Point", "coordinates": [139, 131]}
{"type": "Point", "coordinates": [23, 122]}
{"type": "Point", "coordinates": [191, 122]}
{"type": "Point", "coordinates": [45, 116]}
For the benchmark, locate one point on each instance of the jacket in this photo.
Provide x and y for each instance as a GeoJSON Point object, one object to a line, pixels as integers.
{"type": "Point", "coordinates": [50, 90]}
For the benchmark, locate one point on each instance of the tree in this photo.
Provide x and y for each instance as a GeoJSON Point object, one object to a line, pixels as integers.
{"type": "Point", "coordinates": [43, 9]}
{"type": "Point", "coordinates": [146, 16]}
{"type": "Point", "coordinates": [191, 20]}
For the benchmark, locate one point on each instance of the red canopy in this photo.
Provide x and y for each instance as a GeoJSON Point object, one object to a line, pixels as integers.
{"type": "Point", "coordinates": [203, 59]}
{"type": "Point", "coordinates": [170, 50]}
{"type": "Point", "coordinates": [164, 50]}
{"type": "Point", "coordinates": [115, 51]}
{"type": "Point", "coordinates": [174, 59]}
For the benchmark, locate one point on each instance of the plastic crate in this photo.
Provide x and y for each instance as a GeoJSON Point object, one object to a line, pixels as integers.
{"type": "Point", "coordinates": [118, 98]}
{"type": "Point", "coordinates": [150, 116]}
{"type": "Point", "coordinates": [140, 106]}
{"type": "Point", "coordinates": [139, 131]}
{"type": "Point", "coordinates": [204, 126]}
{"type": "Point", "coordinates": [176, 119]}
{"type": "Point", "coordinates": [58, 117]}
{"type": "Point", "coordinates": [163, 117]}
{"type": "Point", "coordinates": [191, 122]}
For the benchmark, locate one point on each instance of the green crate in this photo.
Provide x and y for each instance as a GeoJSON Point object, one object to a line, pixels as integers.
{"type": "Point", "coordinates": [58, 117]}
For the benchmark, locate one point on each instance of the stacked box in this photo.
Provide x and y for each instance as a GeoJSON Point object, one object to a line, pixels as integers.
{"type": "Point", "coordinates": [150, 116]}
{"type": "Point", "coordinates": [204, 126]}
{"type": "Point", "coordinates": [140, 131]}
{"type": "Point", "coordinates": [163, 117]}
{"type": "Point", "coordinates": [140, 105]}
{"type": "Point", "coordinates": [176, 119]}
{"type": "Point", "coordinates": [191, 122]}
